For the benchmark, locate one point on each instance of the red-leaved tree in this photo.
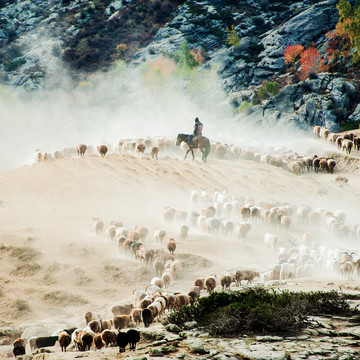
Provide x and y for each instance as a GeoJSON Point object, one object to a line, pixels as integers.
{"type": "Point", "coordinates": [311, 63]}
{"type": "Point", "coordinates": [292, 53]}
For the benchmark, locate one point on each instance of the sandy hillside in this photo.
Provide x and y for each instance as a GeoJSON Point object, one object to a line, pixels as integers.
{"type": "Point", "coordinates": [54, 267]}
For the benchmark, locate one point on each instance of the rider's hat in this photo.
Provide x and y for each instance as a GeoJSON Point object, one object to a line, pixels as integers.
{"type": "Point", "coordinates": [197, 120]}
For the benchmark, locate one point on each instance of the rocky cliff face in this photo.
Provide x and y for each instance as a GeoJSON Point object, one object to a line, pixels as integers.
{"type": "Point", "coordinates": [37, 38]}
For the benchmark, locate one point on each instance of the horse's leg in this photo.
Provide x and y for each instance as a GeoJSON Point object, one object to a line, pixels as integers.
{"type": "Point", "coordinates": [192, 152]}
{"type": "Point", "coordinates": [186, 154]}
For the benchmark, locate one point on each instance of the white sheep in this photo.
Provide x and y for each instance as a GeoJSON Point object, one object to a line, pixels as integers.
{"type": "Point", "coordinates": [287, 271]}
{"type": "Point", "coordinates": [270, 240]}
{"type": "Point", "coordinates": [183, 231]}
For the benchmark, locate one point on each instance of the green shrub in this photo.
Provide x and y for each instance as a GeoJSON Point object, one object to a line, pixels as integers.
{"type": "Point", "coordinates": [245, 105]}
{"type": "Point", "coordinates": [269, 89]}
{"type": "Point", "coordinates": [259, 311]}
{"type": "Point", "coordinates": [184, 59]}
{"type": "Point", "coordinates": [13, 65]}
{"type": "Point", "coordinates": [233, 39]}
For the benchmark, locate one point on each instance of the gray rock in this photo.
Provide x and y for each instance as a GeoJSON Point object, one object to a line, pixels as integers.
{"type": "Point", "coordinates": [352, 331]}
{"type": "Point", "coordinates": [173, 328]}
{"type": "Point", "coordinates": [155, 353]}
{"type": "Point", "coordinates": [189, 325]}
{"type": "Point", "coordinates": [196, 347]}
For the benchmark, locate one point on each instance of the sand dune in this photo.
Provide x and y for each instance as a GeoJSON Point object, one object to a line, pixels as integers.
{"type": "Point", "coordinates": [55, 267]}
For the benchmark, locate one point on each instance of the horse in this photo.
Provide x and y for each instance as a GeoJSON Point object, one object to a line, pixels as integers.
{"type": "Point", "coordinates": [198, 142]}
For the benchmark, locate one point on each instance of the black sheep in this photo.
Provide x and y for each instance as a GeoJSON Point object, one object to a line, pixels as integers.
{"type": "Point", "coordinates": [147, 317]}
{"type": "Point", "coordinates": [46, 341]}
{"type": "Point", "coordinates": [19, 350]}
{"type": "Point", "coordinates": [133, 338]}
{"type": "Point", "coordinates": [122, 341]}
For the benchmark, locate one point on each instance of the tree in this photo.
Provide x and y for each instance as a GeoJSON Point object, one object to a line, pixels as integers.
{"type": "Point", "coordinates": [292, 53]}
{"type": "Point", "coordinates": [349, 25]}
{"type": "Point", "coordinates": [233, 39]}
{"type": "Point", "coordinates": [184, 59]}
{"type": "Point", "coordinates": [311, 63]}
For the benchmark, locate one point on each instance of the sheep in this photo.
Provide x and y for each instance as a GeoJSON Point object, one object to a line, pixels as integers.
{"type": "Point", "coordinates": [169, 214]}
{"type": "Point", "coordinates": [323, 165]}
{"type": "Point", "coordinates": [227, 227]}
{"type": "Point", "coordinates": [159, 235]}
{"type": "Point", "coordinates": [347, 145]}
{"type": "Point", "coordinates": [142, 231]}
{"type": "Point", "coordinates": [95, 326]}
{"type": "Point", "coordinates": [122, 341]}
{"type": "Point", "coordinates": [134, 236]}
{"type": "Point", "coordinates": [183, 231]}
{"type": "Point", "coordinates": [285, 222]}
{"type": "Point", "coordinates": [140, 148]}
{"type": "Point", "coordinates": [154, 152]}
{"type": "Point", "coordinates": [213, 224]}
{"type": "Point", "coordinates": [245, 213]}
{"type": "Point", "coordinates": [136, 316]}
{"type": "Point", "coordinates": [90, 315]}
{"type": "Point", "coordinates": [200, 283]}
{"type": "Point", "coordinates": [108, 337]}
{"type": "Point", "coordinates": [270, 240]}
{"type": "Point", "coordinates": [98, 226]}
{"type": "Point", "coordinates": [166, 279]}
{"type": "Point", "coordinates": [81, 149]}
{"type": "Point", "coordinates": [241, 230]}
{"type": "Point", "coordinates": [19, 350]}
{"type": "Point", "coordinates": [287, 271]}
{"type": "Point", "coordinates": [339, 142]}
{"type": "Point", "coordinates": [347, 269]}
{"type": "Point", "coordinates": [225, 282]}
{"type": "Point", "coordinates": [133, 338]}
{"type": "Point", "coordinates": [32, 343]}
{"type": "Point", "coordinates": [220, 151]}
{"type": "Point", "coordinates": [19, 342]}
{"type": "Point", "coordinates": [46, 341]}
{"type": "Point", "coordinates": [98, 342]}
{"type": "Point", "coordinates": [102, 150]}
{"type": "Point", "coordinates": [157, 282]}
{"type": "Point", "coordinates": [331, 163]}
{"type": "Point", "coordinates": [248, 275]}
{"type": "Point", "coordinates": [64, 340]}
{"type": "Point", "coordinates": [38, 156]}
{"type": "Point", "coordinates": [147, 317]}
{"type": "Point", "coordinates": [121, 321]}
{"type": "Point", "coordinates": [120, 309]}
{"type": "Point", "coordinates": [159, 266]}
{"type": "Point", "coordinates": [106, 324]}
{"type": "Point", "coordinates": [194, 294]}
{"type": "Point", "coordinates": [171, 246]}
{"type": "Point", "coordinates": [210, 284]}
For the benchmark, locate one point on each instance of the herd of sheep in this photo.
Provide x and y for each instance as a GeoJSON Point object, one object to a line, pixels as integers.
{"type": "Point", "coordinates": [344, 141]}
{"type": "Point", "coordinates": [280, 157]}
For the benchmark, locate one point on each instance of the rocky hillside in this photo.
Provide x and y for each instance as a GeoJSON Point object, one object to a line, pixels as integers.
{"type": "Point", "coordinates": [38, 38]}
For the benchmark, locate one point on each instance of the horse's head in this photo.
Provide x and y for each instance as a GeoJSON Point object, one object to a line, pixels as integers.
{"type": "Point", "coordinates": [179, 140]}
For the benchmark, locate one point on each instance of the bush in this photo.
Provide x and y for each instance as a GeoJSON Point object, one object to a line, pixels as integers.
{"type": "Point", "coordinates": [245, 106]}
{"type": "Point", "coordinates": [269, 89]}
{"type": "Point", "coordinates": [259, 311]}
{"type": "Point", "coordinates": [233, 39]}
{"type": "Point", "coordinates": [13, 65]}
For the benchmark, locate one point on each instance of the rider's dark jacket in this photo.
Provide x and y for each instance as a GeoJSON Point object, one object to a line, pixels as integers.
{"type": "Point", "coordinates": [198, 128]}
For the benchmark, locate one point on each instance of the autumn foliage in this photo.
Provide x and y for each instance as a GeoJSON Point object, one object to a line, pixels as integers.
{"type": "Point", "coordinates": [292, 53]}
{"type": "Point", "coordinates": [311, 63]}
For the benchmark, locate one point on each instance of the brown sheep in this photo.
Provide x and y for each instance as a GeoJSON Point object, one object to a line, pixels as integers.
{"type": "Point", "coordinates": [64, 340]}
{"type": "Point", "coordinates": [108, 337]}
{"type": "Point", "coordinates": [144, 303]}
{"type": "Point", "coordinates": [136, 316]}
{"type": "Point", "coordinates": [331, 163]}
{"type": "Point", "coordinates": [140, 148]}
{"type": "Point", "coordinates": [98, 343]}
{"type": "Point", "coordinates": [316, 163]}
{"type": "Point", "coordinates": [81, 149]}
{"type": "Point", "coordinates": [154, 152]}
{"type": "Point", "coordinates": [241, 230]}
{"type": "Point", "coordinates": [248, 275]}
{"type": "Point", "coordinates": [210, 284]}
{"type": "Point", "coordinates": [245, 213]}
{"type": "Point", "coordinates": [194, 294]}
{"type": "Point", "coordinates": [84, 340]}
{"type": "Point", "coordinates": [102, 150]}
{"type": "Point", "coordinates": [200, 283]}
{"type": "Point", "coordinates": [285, 222]}
{"type": "Point", "coordinates": [171, 246]}
{"type": "Point", "coordinates": [106, 324]}
{"type": "Point", "coordinates": [19, 342]}
{"type": "Point", "coordinates": [142, 231]}
{"type": "Point", "coordinates": [89, 315]}
{"type": "Point", "coordinates": [323, 165]}
{"type": "Point", "coordinates": [95, 326]}
{"type": "Point", "coordinates": [122, 321]}
{"type": "Point", "coordinates": [120, 309]}
{"type": "Point", "coordinates": [169, 214]}
{"type": "Point", "coordinates": [225, 282]}
{"type": "Point", "coordinates": [147, 317]}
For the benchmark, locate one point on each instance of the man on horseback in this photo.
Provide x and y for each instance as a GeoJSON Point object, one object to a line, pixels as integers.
{"type": "Point", "coordinates": [197, 130]}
